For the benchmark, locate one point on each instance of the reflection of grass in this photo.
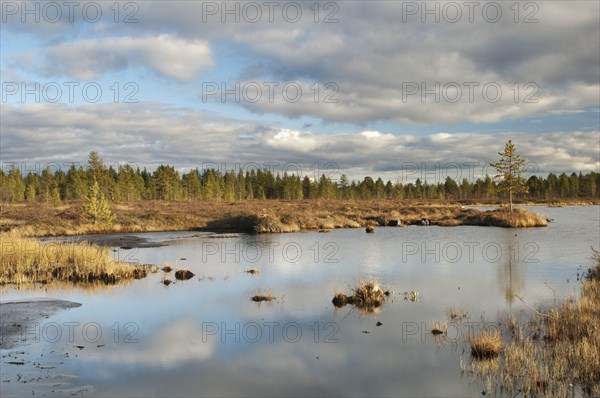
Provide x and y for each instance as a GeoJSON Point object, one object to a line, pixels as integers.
{"type": "Point", "coordinates": [456, 314]}
{"type": "Point", "coordinates": [26, 260]}
{"type": "Point", "coordinates": [553, 354]}
{"type": "Point", "coordinates": [367, 296]}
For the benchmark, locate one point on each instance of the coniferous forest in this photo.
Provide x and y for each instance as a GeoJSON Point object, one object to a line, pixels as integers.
{"type": "Point", "coordinates": [127, 183]}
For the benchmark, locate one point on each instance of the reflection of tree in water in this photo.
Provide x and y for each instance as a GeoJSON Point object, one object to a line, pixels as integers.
{"type": "Point", "coordinates": [511, 268]}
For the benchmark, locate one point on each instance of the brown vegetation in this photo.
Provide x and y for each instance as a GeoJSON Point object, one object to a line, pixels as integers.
{"type": "Point", "coordinates": [30, 261]}
{"type": "Point", "coordinates": [555, 353]}
{"type": "Point", "coordinates": [368, 296]}
{"type": "Point", "coordinates": [183, 275]}
{"type": "Point", "coordinates": [260, 216]}
{"type": "Point", "coordinates": [487, 344]}
{"type": "Point", "coordinates": [260, 297]}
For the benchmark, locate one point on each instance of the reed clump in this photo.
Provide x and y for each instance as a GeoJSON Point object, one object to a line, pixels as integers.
{"type": "Point", "coordinates": [486, 344]}
{"type": "Point", "coordinates": [31, 261]}
{"type": "Point", "coordinates": [367, 296]}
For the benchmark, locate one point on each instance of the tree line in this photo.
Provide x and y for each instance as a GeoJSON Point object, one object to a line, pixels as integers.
{"type": "Point", "coordinates": [166, 183]}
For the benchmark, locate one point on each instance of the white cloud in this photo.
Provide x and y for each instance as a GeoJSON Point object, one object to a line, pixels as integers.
{"type": "Point", "coordinates": [170, 56]}
{"type": "Point", "coordinates": [186, 138]}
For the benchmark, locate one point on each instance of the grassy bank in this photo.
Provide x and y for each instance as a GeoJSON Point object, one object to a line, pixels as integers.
{"type": "Point", "coordinates": [556, 353]}
{"type": "Point", "coordinates": [251, 216]}
{"type": "Point", "coordinates": [30, 261]}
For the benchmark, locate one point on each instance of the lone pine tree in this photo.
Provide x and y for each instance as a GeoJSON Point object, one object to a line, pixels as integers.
{"type": "Point", "coordinates": [509, 169]}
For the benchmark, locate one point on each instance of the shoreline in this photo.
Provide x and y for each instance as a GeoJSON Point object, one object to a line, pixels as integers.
{"type": "Point", "coordinates": [19, 315]}
{"type": "Point", "coordinates": [266, 216]}
{"type": "Point", "coordinates": [26, 368]}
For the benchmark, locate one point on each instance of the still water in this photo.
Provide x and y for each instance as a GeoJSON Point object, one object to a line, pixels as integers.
{"type": "Point", "coordinates": [205, 336]}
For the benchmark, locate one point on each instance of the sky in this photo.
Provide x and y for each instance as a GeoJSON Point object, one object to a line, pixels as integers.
{"type": "Point", "coordinates": [397, 89]}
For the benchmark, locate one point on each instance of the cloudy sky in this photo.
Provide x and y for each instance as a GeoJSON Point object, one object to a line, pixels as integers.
{"type": "Point", "coordinates": [383, 88]}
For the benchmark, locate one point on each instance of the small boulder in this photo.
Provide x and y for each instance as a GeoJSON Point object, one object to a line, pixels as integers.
{"type": "Point", "coordinates": [370, 229]}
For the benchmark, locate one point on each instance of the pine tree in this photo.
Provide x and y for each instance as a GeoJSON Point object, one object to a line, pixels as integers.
{"type": "Point", "coordinates": [510, 168]}
{"type": "Point", "coordinates": [96, 207]}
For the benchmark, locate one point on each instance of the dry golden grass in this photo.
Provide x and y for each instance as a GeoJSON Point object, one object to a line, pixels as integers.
{"type": "Point", "coordinates": [30, 261]}
{"type": "Point", "coordinates": [520, 218]}
{"type": "Point", "coordinates": [368, 296]}
{"type": "Point", "coordinates": [554, 354]}
{"type": "Point", "coordinates": [487, 344]}
{"type": "Point", "coordinates": [260, 216]}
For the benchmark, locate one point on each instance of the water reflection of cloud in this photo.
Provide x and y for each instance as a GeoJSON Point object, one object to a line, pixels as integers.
{"type": "Point", "coordinates": [377, 364]}
{"type": "Point", "coordinates": [174, 345]}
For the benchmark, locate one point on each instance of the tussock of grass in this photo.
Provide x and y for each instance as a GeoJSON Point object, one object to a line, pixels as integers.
{"type": "Point", "coordinates": [593, 273]}
{"type": "Point", "coordinates": [260, 297]}
{"type": "Point", "coordinates": [268, 223]}
{"type": "Point", "coordinates": [367, 296]}
{"type": "Point", "coordinates": [487, 344]}
{"type": "Point", "coordinates": [30, 261]}
{"type": "Point", "coordinates": [183, 274]}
